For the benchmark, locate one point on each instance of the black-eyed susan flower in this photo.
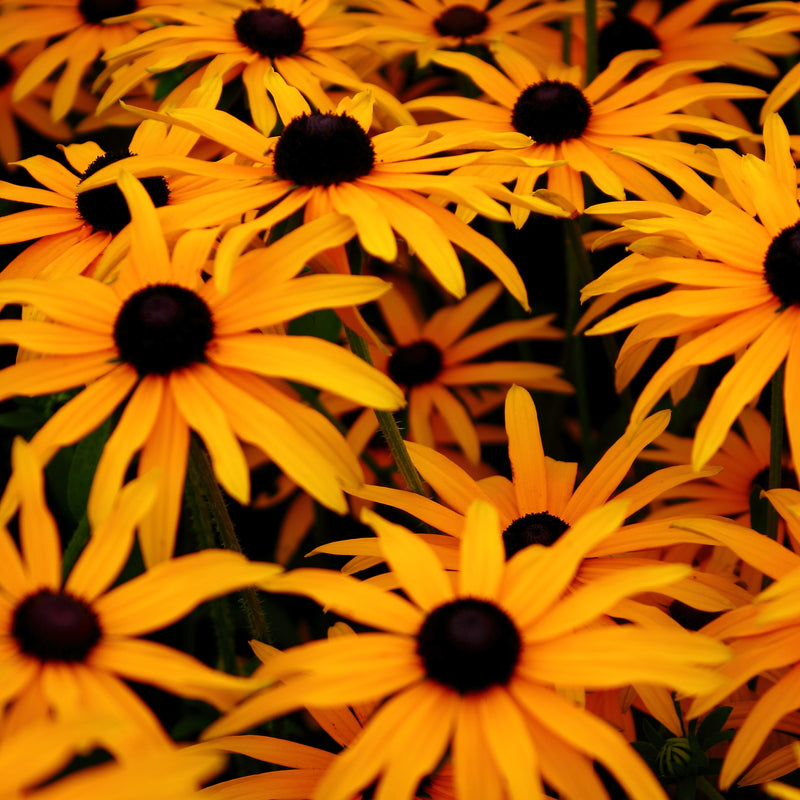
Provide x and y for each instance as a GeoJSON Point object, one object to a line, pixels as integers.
{"type": "Point", "coordinates": [324, 162]}
{"type": "Point", "coordinates": [67, 643]}
{"type": "Point", "coordinates": [300, 39]}
{"type": "Point", "coordinates": [435, 361]}
{"type": "Point", "coordinates": [737, 294]}
{"type": "Point", "coordinates": [475, 666]}
{"type": "Point", "coordinates": [71, 229]}
{"type": "Point", "coordinates": [188, 358]}
{"type": "Point", "coordinates": [579, 128]}
{"type": "Point", "coordinates": [76, 34]}
{"type": "Point", "coordinates": [424, 27]}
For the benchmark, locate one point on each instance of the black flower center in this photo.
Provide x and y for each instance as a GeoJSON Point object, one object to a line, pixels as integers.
{"type": "Point", "coordinates": [323, 149]}
{"type": "Point", "coordinates": [782, 265]}
{"type": "Point", "coordinates": [539, 528]}
{"type": "Point", "coordinates": [622, 34]}
{"type": "Point", "coordinates": [551, 112]}
{"type": "Point", "coordinates": [269, 32]}
{"type": "Point", "coordinates": [163, 328]}
{"type": "Point", "coordinates": [6, 72]}
{"type": "Point", "coordinates": [55, 626]}
{"type": "Point", "coordinates": [105, 208]}
{"type": "Point", "coordinates": [692, 619]}
{"type": "Point", "coordinates": [416, 363]}
{"type": "Point", "coordinates": [469, 645]}
{"type": "Point", "coordinates": [95, 11]}
{"type": "Point", "coordinates": [461, 21]}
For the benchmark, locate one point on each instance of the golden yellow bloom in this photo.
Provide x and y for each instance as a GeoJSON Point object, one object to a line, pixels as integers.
{"type": "Point", "coordinates": [736, 294]}
{"type": "Point", "coordinates": [475, 665]}
{"type": "Point", "coordinates": [302, 40]}
{"type": "Point", "coordinates": [327, 162]}
{"type": "Point", "coordinates": [581, 126]}
{"type": "Point", "coordinates": [189, 358]}
{"type": "Point", "coordinates": [68, 643]}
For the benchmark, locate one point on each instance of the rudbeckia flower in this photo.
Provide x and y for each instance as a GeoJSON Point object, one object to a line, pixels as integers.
{"type": "Point", "coordinates": [475, 666]}
{"type": "Point", "coordinates": [738, 294]}
{"type": "Point", "coordinates": [300, 39]}
{"type": "Point", "coordinates": [67, 644]}
{"type": "Point", "coordinates": [581, 126]}
{"type": "Point", "coordinates": [76, 33]}
{"type": "Point", "coordinates": [435, 361]}
{"type": "Point", "coordinates": [328, 162]}
{"type": "Point", "coordinates": [187, 358]}
{"type": "Point", "coordinates": [71, 229]}
{"type": "Point", "coordinates": [422, 27]}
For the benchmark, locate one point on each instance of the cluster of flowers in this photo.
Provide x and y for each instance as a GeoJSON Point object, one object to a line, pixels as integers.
{"type": "Point", "coordinates": [263, 244]}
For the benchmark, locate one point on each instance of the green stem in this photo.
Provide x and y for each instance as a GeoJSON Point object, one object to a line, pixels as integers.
{"type": "Point", "coordinates": [388, 425]}
{"type": "Point", "coordinates": [590, 16]}
{"type": "Point", "coordinates": [775, 447]}
{"type": "Point", "coordinates": [708, 790]}
{"type": "Point", "coordinates": [212, 520]}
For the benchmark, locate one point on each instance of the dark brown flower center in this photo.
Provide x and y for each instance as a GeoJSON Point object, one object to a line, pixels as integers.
{"type": "Point", "coordinates": [469, 645]}
{"type": "Point", "coordinates": [55, 626]}
{"type": "Point", "coordinates": [782, 265]}
{"type": "Point", "coordinates": [539, 528]}
{"type": "Point", "coordinates": [323, 149]}
{"type": "Point", "coordinates": [461, 21]}
{"type": "Point", "coordinates": [95, 11]}
{"type": "Point", "coordinates": [622, 34]}
{"type": "Point", "coordinates": [269, 32]}
{"type": "Point", "coordinates": [416, 363]}
{"type": "Point", "coordinates": [163, 328]}
{"type": "Point", "coordinates": [105, 208]}
{"type": "Point", "coordinates": [551, 112]}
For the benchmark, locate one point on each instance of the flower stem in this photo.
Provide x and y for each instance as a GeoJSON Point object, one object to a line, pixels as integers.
{"type": "Point", "coordinates": [590, 17]}
{"type": "Point", "coordinates": [708, 790]}
{"type": "Point", "coordinates": [211, 519]}
{"type": "Point", "coordinates": [775, 447]}
{"type": "Point", "coordinates": [388, 426]}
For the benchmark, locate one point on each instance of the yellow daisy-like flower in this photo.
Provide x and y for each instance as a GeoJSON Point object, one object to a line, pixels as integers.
{"type": "Point", "coordinates": [68, 643]}
{"type": "Point", "coordinates": [77, 34]}
{"type": "Point", "coordinates": [300, 39]}
{"type": "Point", "coordinates": [780, 18]}
{"type": "Point", "coordinates": [188, 358]}
{"type": "Point", "coordinates": [432, 360]}
{"type": "Point", "coordinates": [581, 126]}
{"type": "Point", "coordinates": [474, 666]}
{"type": "Point", "coordinates": [327, 162]}
{"type": "Point", "coordinates": [737, 294]}
{"type": "Point", "coordinates": [72, 229]}
{"type": "Point", "coordinates": [426, 27]}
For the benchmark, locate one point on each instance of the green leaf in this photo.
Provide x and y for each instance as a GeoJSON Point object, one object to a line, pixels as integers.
{"type": "Point", "coordinates": [85, 457]}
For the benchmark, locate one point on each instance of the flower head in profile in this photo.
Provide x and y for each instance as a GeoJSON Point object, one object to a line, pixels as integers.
{"type": "Point", "coordinates": [737, 291]}
{"type": "Point", "coordinates": [329, 162]}
{"type": "Point", "coordinates": [302, 41]}
{"type": "Point", "coordinates": [68, 643]}
{"type": "Point", "coordinates": [182, 357]}
{"type": "Point", "coordinates": [474, 666]}
{"type": "Point", "coordinates": [577, 129]}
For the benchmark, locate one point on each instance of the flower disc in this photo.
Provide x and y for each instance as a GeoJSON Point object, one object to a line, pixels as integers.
{"type": "Point", "coordinates": [551, 112]}
{"type": "Point", "coordinates": [95, 11]}
{"type": "Point", "coordinates": [538, 528]}
{"type": "Point", "coordinates": [461, 21]}
{"type": "Point", "coordinates": [781, 265]}
{"type": "Point", "coordinates": [622, 34]}
{"type": "Point", "coordinates": [415, 364]}
{"type": "Point", "coordinates": [269, 32]}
